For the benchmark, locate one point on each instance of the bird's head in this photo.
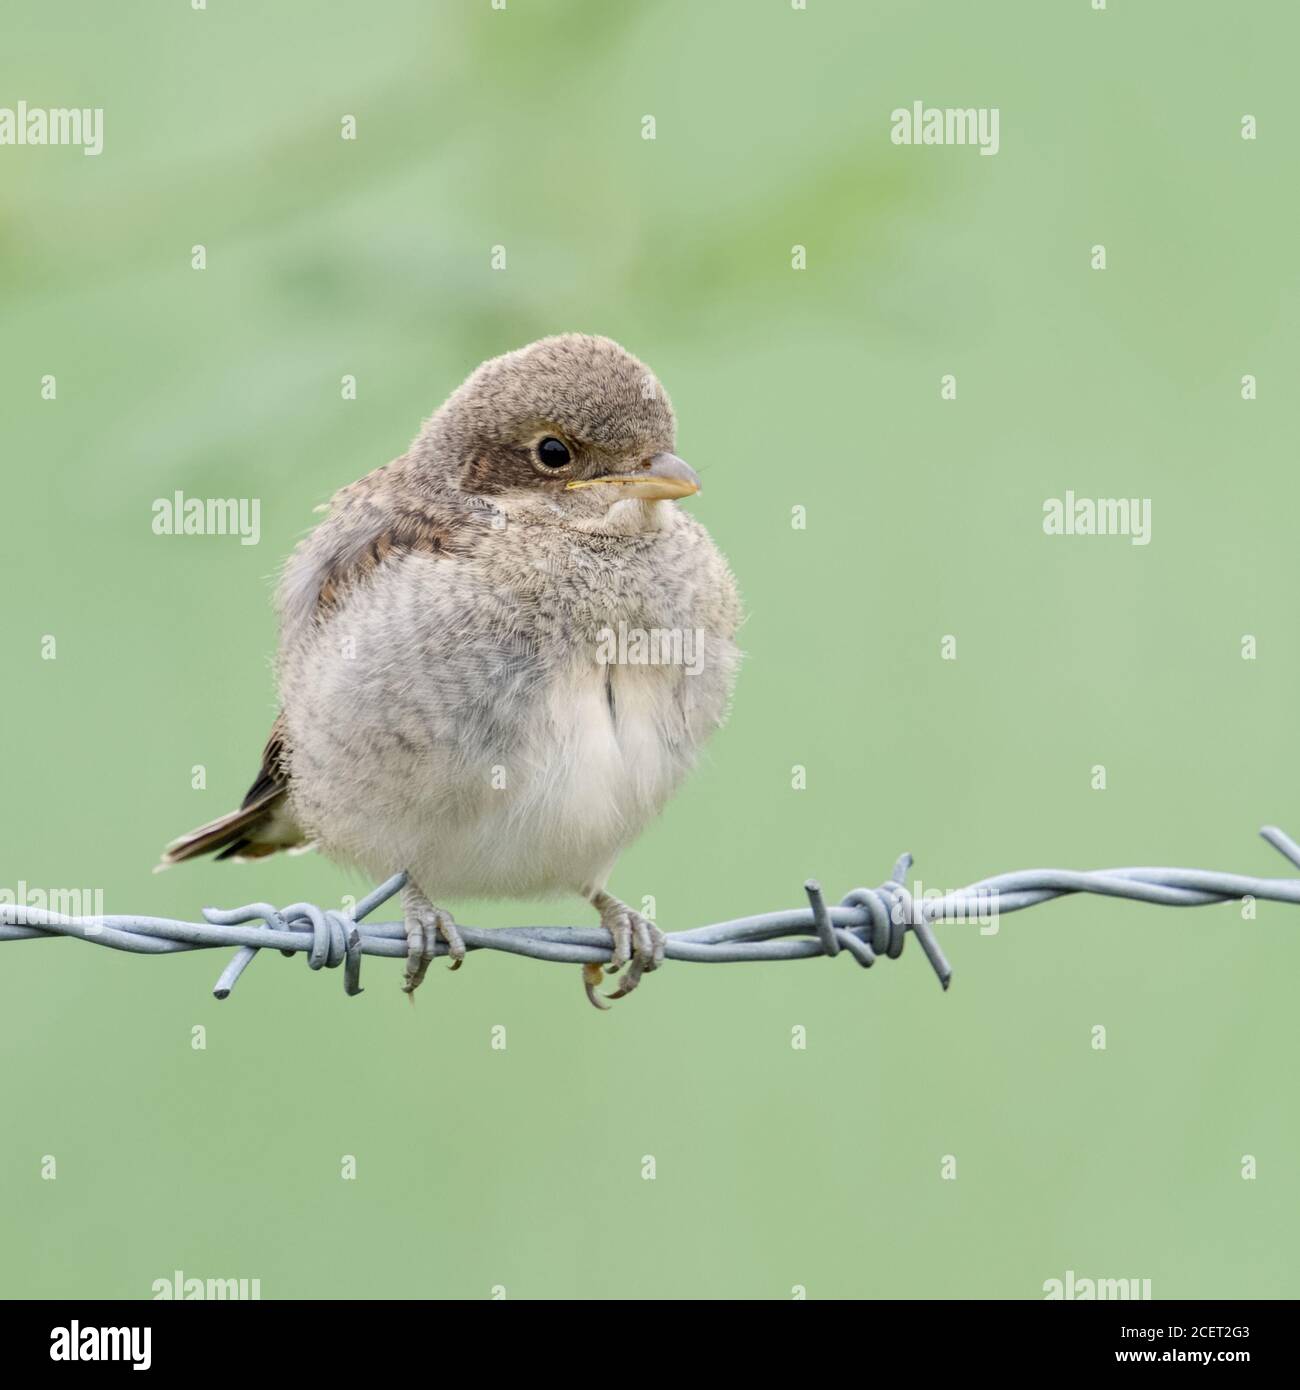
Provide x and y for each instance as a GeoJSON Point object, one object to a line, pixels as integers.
{"type": "Point", "coordinates": [574, 421]}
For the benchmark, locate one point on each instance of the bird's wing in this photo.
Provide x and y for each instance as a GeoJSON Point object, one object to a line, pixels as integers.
{"type": "Point", "coordinates": [380, 517]}
{"type": "Point", "coordinates": [370, 523]}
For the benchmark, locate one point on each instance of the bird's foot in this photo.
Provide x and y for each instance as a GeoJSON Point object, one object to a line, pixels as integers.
{"type": "Point", "coordinates": [638, 944]}
{"type": "Point", "coordinates": [425, 925]}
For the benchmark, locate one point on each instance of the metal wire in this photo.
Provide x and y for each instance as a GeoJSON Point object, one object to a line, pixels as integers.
{"type": "Point", "coordinates": [868, 924]}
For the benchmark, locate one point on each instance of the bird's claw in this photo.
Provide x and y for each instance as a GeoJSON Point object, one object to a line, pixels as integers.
{"type": "Point", "coordinates": [636, 943]}
{"type": "Point", "coordinates": [591, 977]}
{"type": "Point", "coordinates": [425, 926]}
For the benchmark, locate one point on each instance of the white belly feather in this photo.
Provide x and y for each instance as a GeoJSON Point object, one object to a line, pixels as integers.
{"type": "Point", "coordinates": [578, 787]}
{"type": "Point", "coordinates": [584, 783]}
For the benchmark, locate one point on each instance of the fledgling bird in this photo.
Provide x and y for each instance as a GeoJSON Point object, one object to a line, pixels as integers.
{"type": "Point", "coordinates": [452, 703]}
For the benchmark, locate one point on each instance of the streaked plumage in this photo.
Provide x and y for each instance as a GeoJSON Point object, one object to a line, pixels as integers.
{"type": "Point", "coordinates": [446, 706]}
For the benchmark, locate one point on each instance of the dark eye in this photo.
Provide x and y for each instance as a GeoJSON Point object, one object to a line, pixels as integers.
{"type": "Point", "coordinates": [553, 452]}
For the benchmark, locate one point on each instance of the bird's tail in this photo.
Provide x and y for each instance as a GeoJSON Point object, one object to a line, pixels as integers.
{"type": "Point", "coordinates": [248, 833]}
{"type": "Point", "coordinates": [261, 826]}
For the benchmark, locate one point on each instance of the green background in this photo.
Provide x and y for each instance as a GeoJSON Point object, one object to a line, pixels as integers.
{"type": "Point", "coordinates": [775, 1167]}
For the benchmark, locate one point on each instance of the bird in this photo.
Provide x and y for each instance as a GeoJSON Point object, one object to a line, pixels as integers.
{"type": "Point", "coordinates": [500, 654]}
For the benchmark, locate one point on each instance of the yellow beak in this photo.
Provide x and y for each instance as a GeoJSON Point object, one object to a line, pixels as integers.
{"type": "Point", "coordinates": [660, 479]}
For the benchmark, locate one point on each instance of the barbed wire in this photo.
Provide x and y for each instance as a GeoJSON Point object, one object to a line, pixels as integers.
{"type": "Point", "coordinates": [868, 924]}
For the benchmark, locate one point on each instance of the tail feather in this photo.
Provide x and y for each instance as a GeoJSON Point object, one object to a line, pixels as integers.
{"type": "Point", "coordinates": [247, 833]}
{"type": "Point", "coordinates": [262, 824]}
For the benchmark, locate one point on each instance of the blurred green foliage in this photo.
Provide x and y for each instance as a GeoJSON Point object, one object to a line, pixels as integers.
{"type": "Point", "coordinates": [816, 389]}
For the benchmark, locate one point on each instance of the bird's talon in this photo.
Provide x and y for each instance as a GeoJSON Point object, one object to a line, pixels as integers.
{"type": "Point", "coordinates": [620, 929]}
{"type": "Point", "coordinates": [636, 943]}
{"type": "Point", "coordinates": [650, 943]}
{"type": "Point", "coordinates": [591, 977]}
{"type": "Point", "coordinates": [627, 984]}
{"type": "Point", "coordinates": [425, 925]}
{"type": "Point", "coordinates": [455, 942]}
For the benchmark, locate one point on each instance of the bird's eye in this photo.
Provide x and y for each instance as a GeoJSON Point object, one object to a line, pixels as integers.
{"type": "Point", "coordinates": [553, 452]}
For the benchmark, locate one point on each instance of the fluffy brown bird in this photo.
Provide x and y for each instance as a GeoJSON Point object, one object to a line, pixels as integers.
{"type": "Point", "coordinates": [500, 653]}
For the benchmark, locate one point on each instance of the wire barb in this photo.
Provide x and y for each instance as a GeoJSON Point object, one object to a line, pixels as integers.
{"type": "Point", "coordinates": [867, 924]}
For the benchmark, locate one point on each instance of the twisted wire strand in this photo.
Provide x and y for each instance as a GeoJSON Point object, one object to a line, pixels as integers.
{"type": "Point", "coordinates": [869, 923]}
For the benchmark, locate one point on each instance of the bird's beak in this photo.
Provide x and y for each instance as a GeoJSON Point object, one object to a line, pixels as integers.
{"type": "Point", "coordinates": [660, 479]}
